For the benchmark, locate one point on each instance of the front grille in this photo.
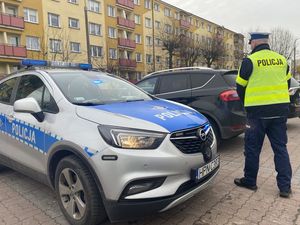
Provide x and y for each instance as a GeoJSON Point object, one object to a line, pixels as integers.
{"type": "Point", "coordinates": [189, 142]}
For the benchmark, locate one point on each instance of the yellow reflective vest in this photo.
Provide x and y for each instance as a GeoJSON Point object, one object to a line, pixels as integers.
{"type": "Point", "coordinates": [267, 84]}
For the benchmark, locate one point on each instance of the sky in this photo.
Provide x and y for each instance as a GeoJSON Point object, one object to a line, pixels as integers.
{"type": "Point", "coordinates": [244, 16]}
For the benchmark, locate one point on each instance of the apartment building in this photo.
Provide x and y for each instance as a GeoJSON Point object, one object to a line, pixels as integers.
{"type": "Point", "coordinates": [121, 36]}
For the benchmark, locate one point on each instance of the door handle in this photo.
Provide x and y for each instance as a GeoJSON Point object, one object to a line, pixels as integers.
{"type": "Point", "coordinates": [10, 118]}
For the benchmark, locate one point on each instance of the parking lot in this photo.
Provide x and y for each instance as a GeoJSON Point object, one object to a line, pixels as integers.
{"type": "Point", "coordinates": [25, 201]}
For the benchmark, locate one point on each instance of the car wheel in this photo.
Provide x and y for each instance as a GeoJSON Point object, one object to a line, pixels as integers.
{"type": "Point", "coordinates": [77, 193]}
{"type": "Point", "coordinates": [216, 131]}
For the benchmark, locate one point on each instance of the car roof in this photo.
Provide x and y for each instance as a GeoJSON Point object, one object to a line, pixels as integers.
{"type": "Point", "coordinates": [190, 70]}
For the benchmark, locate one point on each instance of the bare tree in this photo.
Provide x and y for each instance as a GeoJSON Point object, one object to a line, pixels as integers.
{"type": "Point", "coordinates": [282, 41]}
{"type": "Point", "coordinates": [63, 50]}
{"type": "Point", "coordinates": [213, 49]}
{"type": "Point", "coordinates": [170, 41]}
{"type": "Point", "coordinates": [189, 50]}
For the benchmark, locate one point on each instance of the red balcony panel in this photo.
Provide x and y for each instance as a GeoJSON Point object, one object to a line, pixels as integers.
{"type": "Point", "coordinates": [185, 24]}
{"type": "Point", "coordinates": [126, 43]}
{"type": "Point", "coordinates": [127, 63]}
{"type": "Point", "coordinates": [126, 3]}
{"type": "Point", "coordinates": [13, 51]}
{"type": "Point", "coordinates": [11, 21]}
{"type": "Point", "coordinates": [126, 23]}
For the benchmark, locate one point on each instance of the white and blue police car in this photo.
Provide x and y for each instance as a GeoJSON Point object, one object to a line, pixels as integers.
{"type": "Point", "coordinates": [107, 148]}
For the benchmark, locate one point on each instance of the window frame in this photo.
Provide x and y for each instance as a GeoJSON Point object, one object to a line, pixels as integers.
{"type": "Point", "coordinates": [28, 12]}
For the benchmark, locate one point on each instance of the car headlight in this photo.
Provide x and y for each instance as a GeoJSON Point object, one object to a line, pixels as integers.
{"type": "Point", "coordinates": [128, 138]}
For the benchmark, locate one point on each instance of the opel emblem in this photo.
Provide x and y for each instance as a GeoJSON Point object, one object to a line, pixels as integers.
{"type": "Point", "coordinates": [202, 134]}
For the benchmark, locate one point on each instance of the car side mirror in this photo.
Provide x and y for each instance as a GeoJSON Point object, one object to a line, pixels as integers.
{"type": "Point", "coordinates": [29, 105]}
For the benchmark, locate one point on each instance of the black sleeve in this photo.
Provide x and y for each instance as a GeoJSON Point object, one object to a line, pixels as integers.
{"type": "Point", "coordinates": [289, 80]}
{"type": "Point", "coordinates": [245, 73]}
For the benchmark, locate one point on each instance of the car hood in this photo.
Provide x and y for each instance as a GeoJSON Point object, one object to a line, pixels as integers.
{"type": "Point", "coordinates": [150, 115]}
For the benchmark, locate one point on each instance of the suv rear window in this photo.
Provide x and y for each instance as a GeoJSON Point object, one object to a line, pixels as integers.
{"type": "Point", "coordinates": [230, 78]}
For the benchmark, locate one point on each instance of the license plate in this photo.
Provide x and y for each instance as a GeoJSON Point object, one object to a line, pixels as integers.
{"type": "Point", "coordinates": [199, 173]}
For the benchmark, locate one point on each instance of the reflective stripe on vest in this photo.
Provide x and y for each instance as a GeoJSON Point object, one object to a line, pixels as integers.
{"type": "Point", "coordinates": [267, 84]}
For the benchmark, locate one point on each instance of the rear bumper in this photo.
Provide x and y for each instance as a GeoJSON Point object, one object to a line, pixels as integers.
{"type": "Point", "coordinates": [126, 210]}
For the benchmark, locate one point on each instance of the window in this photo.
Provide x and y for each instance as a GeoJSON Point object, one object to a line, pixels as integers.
{"type": "Point", "coordinates": [112, 32]}
{"type": "Point", "coordinates": [148, 85]}
{"type": "Point", "coordinates": [111, 11]}
{"type": "Point", "coordinates": [158, 59]}
{"type": "Point", "coordinates": [75, 47]}
{"type": "Point", "coordinates": [94, 6]}
{"type": "Point", "coordinates": [171, 83]}
{"type": "Point", "coordinates": [157, 42]}
{"type": "Point", "coordinates": [73, 23]}
{"type": "Point", "coordinates": [137, 19]}
{"type": "Point", "coordinates": [156, 7]}
{"type": "Point", "coordinates": [113, 53]}
{"type": "Point", "coordinates": [30, 15]}
{"type": "Point", "coordinates": [6, 90]}
{"type": "Point", "coordinates": [147, 4]}
{"type": "Point", "coordinates": [167, 12]}
{"type": "Point", "coordinates": [53, 20]}
{"type": "Point", "coordinates": [209, 28]}
{"type": "Point", "coordinates": [138, 38]}
{"type": "Point", "coordinates": [177, 16]}
{"type": "Point", "coordinates": [32, 43]}
{"type": "Point", "coordinates": [73, 1]}
{"type": "Point", "coordinates": [95, 29]}
{"type": "Point", "coordinates": [14, 40]}
{"type": "Point", "coordinates": [148, 59]}
{"type": "Point", "coordinates": [136, 2]}
{"type": "Point", "coordinates": [168, 29]}
{"type": "Point", "coordinates": [148, 40]}
{"type": "Point", "coordinates": [198, 79]}
{"type": "Point", "coordinates": [157, 24]}
{"type": "Point", "coordinates": [55, 45]}
{"type": "Point", "coordinates": [148, 22]}
{"type": "Point", "coordinates": [96, 51]}
{"type": "Point", "coordinates": [33, 86]}
{"type": "Point", "coordinates": [138, 57]}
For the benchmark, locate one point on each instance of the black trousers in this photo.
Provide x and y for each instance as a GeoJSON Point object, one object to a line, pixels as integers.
{"type": "Point", "coordinates": [276, 130]}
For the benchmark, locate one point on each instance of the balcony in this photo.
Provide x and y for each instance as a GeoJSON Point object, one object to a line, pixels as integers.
{"type": "Point", "coordinates": [127, 43]}
{"type": "Point", "coordinates": [126, 23]}
{"type": "Point", "coordinates": [13, 51]}
{"type": "Point", "coordinates": [128, 63]}
{"type": "Point", "coordinates": [126, 3]}
{"type": "Point", "coordinates": [11, 21]}
{"type": "Point", "coordinates": [185, 24]}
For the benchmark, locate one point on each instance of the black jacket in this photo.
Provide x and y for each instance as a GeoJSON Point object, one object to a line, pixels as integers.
{"type": "Point", "coordinates": [265, 111]}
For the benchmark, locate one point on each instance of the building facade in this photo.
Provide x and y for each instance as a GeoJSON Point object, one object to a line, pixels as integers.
{"type": "Point", "coordinates": [121, 36]}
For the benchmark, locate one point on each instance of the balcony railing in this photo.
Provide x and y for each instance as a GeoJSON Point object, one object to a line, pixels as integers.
{"type": "Point", "coordinates": [127, 63]}
{"type": "Point", "coordinates": [127, 43]}
{"type": "Point", "coordinates": [126, 3]}
{"type": "Point", "coordinates": [185, 24]}
{"type": "Point", "coordinates": [13, 51]}
{"type": "Point", "coordinates": [126, 23]}
{"type": "Point", "coordinates": [11, 21]}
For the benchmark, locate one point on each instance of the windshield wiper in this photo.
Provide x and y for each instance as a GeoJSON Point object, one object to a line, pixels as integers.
{"type": "Point", "coordinates": [86, 103]}
{"type": "Point", "coordinates": [135, 100]}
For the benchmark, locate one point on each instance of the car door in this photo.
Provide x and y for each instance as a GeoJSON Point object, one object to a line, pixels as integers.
{"type": "Point", "coordinates": [26, 144]}
{"type": "Point", "coordinates": [7, 88]}
{"type": "Point", "coordinates": [175, 87]}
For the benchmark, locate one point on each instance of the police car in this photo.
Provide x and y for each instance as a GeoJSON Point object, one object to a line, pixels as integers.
{"type": "Point", "coordinates": [106, 147]}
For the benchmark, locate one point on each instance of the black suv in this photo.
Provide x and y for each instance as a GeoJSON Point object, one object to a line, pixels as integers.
{"type": "Point", "coordinates": [211, 92]}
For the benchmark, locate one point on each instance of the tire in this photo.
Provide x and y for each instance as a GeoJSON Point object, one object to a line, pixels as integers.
{"type": "Point", "coordinates": [216, 131]}
{"type": "Point", "coordinates": [77, 193]}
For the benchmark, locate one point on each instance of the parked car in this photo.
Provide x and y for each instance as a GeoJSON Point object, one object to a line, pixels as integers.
{"type": "Point", "coordinates": [295, 98]}
{"type": "Point", "coordinates": [106, 147]}
{"type": "Point", "coordinates": [211, 92]}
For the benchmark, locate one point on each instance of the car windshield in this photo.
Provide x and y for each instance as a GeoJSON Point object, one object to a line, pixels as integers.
{"type": "Point", "coordinates": [230, 78]}
{"type": "Point", "coordinates": [96, 88]}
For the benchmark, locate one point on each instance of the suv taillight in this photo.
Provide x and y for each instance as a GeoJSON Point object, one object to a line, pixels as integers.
{"type": "Point", "coordinates": [229, 95]}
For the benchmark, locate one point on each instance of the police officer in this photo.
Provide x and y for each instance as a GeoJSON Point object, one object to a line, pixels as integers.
{"type": "Point", "coordinates": [262, 85]}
